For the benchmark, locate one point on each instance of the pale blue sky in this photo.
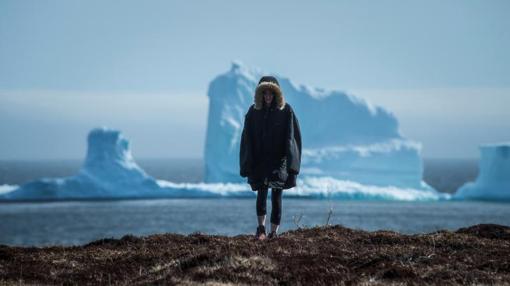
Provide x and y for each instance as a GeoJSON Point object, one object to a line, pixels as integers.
{"type": "Point", "coordinates": [442, 67]}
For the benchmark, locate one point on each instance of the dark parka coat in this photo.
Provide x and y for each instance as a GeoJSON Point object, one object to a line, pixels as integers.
{"type": "Point", "coordinates": [270, 142]}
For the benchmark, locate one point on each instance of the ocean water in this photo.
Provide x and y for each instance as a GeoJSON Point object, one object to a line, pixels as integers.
{"type": "Point", "coordinates": [72, 223]}
{"type": "Point", "coordinates": [75, 222]}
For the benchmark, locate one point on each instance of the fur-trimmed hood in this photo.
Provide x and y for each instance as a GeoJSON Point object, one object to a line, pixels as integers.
{"type": "Point", "coordinates": [268, 82]}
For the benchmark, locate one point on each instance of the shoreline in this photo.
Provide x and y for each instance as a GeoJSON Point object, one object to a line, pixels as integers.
{"type": "Point", "coordinates": [314, 255]}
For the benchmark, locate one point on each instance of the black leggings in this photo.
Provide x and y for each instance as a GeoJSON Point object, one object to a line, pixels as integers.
{"type": "Point", "coordinates": [276, 204]}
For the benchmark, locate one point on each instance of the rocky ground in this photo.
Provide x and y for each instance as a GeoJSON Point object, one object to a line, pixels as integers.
{"type": "Point", "coordinates": [479, 254]}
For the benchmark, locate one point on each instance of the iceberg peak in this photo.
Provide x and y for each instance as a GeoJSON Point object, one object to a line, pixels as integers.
{"type": "Point", "coordinates": [106, 144]}
{"type": "Point", "coordinates": [109, 153]}
{"type": "Point", "coordinates": [239, 70]}
{"type": "Point", "coordinates": [236, 65]}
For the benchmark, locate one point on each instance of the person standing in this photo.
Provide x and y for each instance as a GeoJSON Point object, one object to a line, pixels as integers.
{"type": "Point", "coordinates": [270, 150]}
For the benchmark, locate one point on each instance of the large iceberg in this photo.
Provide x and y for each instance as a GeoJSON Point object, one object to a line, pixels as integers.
{"type": "Point", "coordinates": [493, 181]}
{"type": "Point", "coordinates": [344, 137]}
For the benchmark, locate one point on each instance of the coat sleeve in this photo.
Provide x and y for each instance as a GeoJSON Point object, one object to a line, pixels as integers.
{"type": "Point", "coordinates": [293, 144]}
{"type": "Point", "coordinates": [245, 150]}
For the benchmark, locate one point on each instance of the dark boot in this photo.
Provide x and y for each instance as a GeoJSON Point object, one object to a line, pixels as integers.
{"type": "Point", "coordinates": [272, 234]}
{"type": "Point", "coordinates": [261, 232]}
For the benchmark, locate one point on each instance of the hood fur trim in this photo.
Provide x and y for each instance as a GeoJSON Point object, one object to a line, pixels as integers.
{"type": "Point", "coordinates": [259, 97]}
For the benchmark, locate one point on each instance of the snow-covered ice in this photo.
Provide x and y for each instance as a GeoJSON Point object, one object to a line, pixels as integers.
{"type": "Point", "coordinates": [493, 181]}
{"type": "Point", "coordinates": [5, 188]}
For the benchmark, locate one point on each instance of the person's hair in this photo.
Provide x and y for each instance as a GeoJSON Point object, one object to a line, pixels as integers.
{"type": "Point", "coordinates": [269, 82]}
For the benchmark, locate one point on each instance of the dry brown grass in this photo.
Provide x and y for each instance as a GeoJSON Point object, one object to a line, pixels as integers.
{"type": "Point", "coordinates": [478, 255]}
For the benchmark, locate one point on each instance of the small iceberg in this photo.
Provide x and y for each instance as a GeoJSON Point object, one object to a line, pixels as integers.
{"type": "Point", "coordinates": [493, 181]}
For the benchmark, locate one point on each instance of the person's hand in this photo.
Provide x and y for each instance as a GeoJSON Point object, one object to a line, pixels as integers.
{"type": "Point", "coordinates": [279, 174]}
